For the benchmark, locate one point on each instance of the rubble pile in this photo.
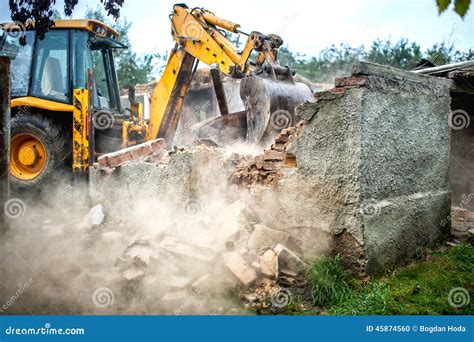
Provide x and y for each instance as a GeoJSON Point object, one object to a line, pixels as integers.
{"type": "Point", "coordinates": [270, 166]}
{"type": "Point", "coordinates": [257, 261]}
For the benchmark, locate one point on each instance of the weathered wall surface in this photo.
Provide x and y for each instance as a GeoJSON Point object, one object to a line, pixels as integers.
{"type": "Point", "coordinates": [372, 166]}
{"type": "Point", "coordinates": [186, 176]}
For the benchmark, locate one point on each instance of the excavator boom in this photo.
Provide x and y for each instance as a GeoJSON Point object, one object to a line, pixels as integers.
{"type": "Point", "coordinates": [201, 35]}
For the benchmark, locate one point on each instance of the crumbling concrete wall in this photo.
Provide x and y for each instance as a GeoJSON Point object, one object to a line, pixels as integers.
{"type": "Point", "coordinates": [174, 181]}
{"type": "Point", "coordinates": [372, 168]}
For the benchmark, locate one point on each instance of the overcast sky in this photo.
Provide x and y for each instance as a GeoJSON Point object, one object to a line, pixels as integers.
{"type": "Point", "coordinates": [306, 26]}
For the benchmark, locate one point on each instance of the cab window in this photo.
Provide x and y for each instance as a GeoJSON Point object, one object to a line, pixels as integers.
{"type": "Point", "coordinates": [20, 60]}
{"type": "Point", "coordinates": [51, 75]}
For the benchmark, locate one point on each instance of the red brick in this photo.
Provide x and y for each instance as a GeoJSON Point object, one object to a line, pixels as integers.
{"type": "Point", "coordinates": [351, 81]}
{"type": "Point", "coordinates": [273, 155]}
{"type": "Point", "coordinates": [137, 152]}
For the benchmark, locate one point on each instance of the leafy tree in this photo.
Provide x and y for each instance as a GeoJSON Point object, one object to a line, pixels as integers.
{"type": "Point", "coordinates": [460, 6]}
{"type": "Point", "coordinates": [131, 69]}
{"type": "Point", "coordinates": [42, 12]}
{"type": "Point", "coordinates": [337, 60]}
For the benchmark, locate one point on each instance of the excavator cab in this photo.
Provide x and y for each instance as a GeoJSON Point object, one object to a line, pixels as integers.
{"type": "Point", "coordinates": [45, 74]}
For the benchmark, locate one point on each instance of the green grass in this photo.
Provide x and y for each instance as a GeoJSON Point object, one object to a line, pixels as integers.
{"type": "Point", "coordinates": [420, 288]}
{"type": "Point", "coordinates": [329, 282]}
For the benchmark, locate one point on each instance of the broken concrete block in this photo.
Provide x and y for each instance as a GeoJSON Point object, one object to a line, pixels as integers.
{"type": "Point", "coordinates": [287, 260]}
{"type": "Point", "coordinates": [237, 265]}
{"type": "Point", "coordinates": [264, 237]}
{"type": "Point", "coordinates": [269, 264]}
{"type": "Point", "coordinates": [141, 252]}
{"type": "Point", "coordinates": [288, 272]}
{"type": "Point", "coordinates": [256, 266]}
{"type": "Point", "coordinates": [184, 250]}
{"type": "Point", "coordinates": [133, 274]}
{"type": "Point", "coordinates": [249, 256]}
{"type": "Point", "coordinates": [137, 152]}
{"type": "Point", "coordinates": [94, 217]}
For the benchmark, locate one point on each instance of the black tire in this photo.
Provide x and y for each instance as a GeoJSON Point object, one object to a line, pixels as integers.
{"type": "Point", "coordinates": [56, 140]}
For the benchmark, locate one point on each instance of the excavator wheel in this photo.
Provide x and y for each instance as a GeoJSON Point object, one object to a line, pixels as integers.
{"type": "Point", "coordinates": [38, 148]}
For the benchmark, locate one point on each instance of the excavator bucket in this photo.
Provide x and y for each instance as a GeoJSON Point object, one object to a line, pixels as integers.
{"type": "Point", "coordinates": [270, 99]}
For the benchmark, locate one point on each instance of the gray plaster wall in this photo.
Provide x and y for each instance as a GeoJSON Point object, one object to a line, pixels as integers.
{"type": "Point", "coordinates": [372, 163]}
{"type": "Point", "coordinates": [189, 176]}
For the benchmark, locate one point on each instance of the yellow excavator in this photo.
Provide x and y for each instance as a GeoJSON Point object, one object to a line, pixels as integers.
{"type": "Point", "coordinates": [66, 106]}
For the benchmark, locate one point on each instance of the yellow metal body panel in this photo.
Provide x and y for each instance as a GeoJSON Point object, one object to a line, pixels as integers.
{"type": "Point", "coordinates": [209, 47]}
{"type": "Point", "coordinates": [161, 95]}
{"type": "Point", "coordinates": [80, 139]}
{"type": "Point", "coordinates": [90, 25]}
{"type": "Point", "coordinates": [197, 34]}
{"type": "Point", "coordinates": [41, 103]}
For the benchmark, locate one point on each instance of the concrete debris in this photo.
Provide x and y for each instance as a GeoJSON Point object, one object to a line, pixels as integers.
{"type": "Point", "coordinates": [269, 264]}
{"type": "Point", "coordinates": [187, 251]}
{"type": "Point", "coordinates": [141, 252]}
{"type": "Point", "coordinates": [94, 217]}
{"type": "Point", "coordinates": [237, 265]}
{"type": "Point", "coordinates": [287, 260]}
{"type": "Point", "coordinates": [256, 266]}
{"type": "Point", "coordinates": [133, 153]}
{"type": "Point", "coordinates": [267, 168]}
{"type": "Point", "coordinates": [264, 237]}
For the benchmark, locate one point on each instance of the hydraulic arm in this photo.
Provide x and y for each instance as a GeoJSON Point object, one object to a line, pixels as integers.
{"type": "Point", "coordinates": [201, 35]}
